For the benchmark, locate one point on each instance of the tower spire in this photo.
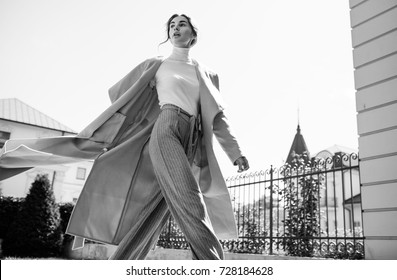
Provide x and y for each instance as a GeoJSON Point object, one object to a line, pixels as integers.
{"type": "Point", "coordinates": [298, 147]}
{"type": "Point", "coordinates": [298, 129]}
{"type": "Point", "coordinates": [298, 115]}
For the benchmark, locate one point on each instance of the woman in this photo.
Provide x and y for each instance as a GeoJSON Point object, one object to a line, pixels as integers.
{"type": "Point", "coordinates": [170, 150]}
{"type": "Point", "coordinates": [151, 161]}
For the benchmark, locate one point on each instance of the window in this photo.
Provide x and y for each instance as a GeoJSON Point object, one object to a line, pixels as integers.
{"type": "Point", "coordinates": [330, 201]}
{"type": "Point", "coordinates": [80, 173]}
{"type": "Point", "coordinates": [4, 136]}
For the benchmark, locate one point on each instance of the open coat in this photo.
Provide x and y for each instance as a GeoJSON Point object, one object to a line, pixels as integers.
{"type": "Point", "coordinates": [122, 174]}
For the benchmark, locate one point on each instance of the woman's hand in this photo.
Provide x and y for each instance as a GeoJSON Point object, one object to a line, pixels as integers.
{"type": "Point", "coordinates": [242, 163]}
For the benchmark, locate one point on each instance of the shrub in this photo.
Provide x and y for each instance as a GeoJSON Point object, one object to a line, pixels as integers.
{"type": "Point", "coordinates": [9, 208]}
{"type": "Point", "coordinates": [36, 230]}
{"type": "Point", "coordinates": [65, 210]}
{"type": "Point", "coordinates": [302, 211]}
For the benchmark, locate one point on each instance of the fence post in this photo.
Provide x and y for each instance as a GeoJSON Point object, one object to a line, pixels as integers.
{"type": "Point", "coordinates": [271, 210]}
{"type": "Point", "coordinates": [169, 231]}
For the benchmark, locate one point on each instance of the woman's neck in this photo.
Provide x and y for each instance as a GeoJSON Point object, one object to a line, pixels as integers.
{"type": "Point", "coordinates": [180, 54]}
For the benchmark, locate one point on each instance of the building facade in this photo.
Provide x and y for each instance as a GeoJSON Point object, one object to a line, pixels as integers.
{"type": "Point", "coordinates": [340, 198]}
{"type": "Point", "coordinates": [19, 120]}
{"type": "Point", "coordinates": [374, 40]}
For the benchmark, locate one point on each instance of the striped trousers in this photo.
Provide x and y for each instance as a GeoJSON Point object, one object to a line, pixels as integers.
{"type": "Point", "coordinates": [179, 194]}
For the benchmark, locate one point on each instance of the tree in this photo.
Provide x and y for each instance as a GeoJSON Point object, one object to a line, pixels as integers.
{"type": "Point", "coordinates": [36, 230]}
{"type": "Point", "coordinates": [301, 197]}
{"type": "Point", "coordinates": [65, 211]}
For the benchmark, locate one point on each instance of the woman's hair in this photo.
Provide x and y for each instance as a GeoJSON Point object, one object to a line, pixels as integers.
{"type": "Point", "coordinates": [189, 20]}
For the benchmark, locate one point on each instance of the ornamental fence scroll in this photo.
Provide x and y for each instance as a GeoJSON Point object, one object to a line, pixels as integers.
{"type": "Point", "coordinates": [311, 208]}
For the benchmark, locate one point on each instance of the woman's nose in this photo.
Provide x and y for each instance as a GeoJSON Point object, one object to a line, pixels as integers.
{"type": "Point", "coordinates": [176, 28]}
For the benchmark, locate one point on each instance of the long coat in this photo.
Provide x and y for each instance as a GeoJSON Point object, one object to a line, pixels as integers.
{"type": "Point", "coordinates": [122, 174]}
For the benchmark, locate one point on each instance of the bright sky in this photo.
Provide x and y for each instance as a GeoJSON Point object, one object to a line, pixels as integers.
{"type": "Point", "coordinates": [272, 58]}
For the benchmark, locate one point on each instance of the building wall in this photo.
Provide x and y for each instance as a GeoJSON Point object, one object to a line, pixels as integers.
{"type": "Point", "coordinates": [67, 185]}
{"type": "Point", "coordinates": [71, 183]}
{"type": "Point", "coordinates": [341, 186]}
{"type": "Point", "coordinates": [374, 40]}
{"type": "Point", "coordinates": [20, 130]}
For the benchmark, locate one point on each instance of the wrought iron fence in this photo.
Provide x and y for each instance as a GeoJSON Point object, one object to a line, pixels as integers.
{"type": "Point", "coordinates": [311, 208]}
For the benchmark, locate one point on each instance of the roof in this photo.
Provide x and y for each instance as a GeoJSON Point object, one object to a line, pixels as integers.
{"type": "Point", "coordinates": [298, 147]}
{"type": "Point", "coordinates": [354, 199]}
{"type": "Point", "coordinates": [338, 149]}
{"type": "Point", "coordinates": [13, 109]}
{"type": "Point", "coordinates": [348, 156]}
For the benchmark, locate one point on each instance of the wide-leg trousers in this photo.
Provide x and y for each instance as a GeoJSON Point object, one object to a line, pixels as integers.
{"type": "Point", "coordinates": [179, 194]}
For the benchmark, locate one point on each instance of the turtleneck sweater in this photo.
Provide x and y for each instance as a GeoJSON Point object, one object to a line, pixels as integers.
{"type": "Point", "coordinates": [177, 82]}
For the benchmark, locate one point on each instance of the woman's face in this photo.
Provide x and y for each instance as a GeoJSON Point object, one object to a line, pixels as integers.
{"type": "Point", "coordinates": [180, 32]}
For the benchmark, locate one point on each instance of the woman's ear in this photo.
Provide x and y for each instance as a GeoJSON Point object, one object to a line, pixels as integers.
{"type": "Point", "coordinates": [193, 42]}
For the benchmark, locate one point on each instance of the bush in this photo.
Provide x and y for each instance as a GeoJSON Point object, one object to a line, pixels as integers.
{"type": "Point", "coordinates": [9, 208]}
{"type": "Point", "coordinates": [36, 230]}
{"type": "Point", "coordinates": [301, 198]}
{"type": "Point", "coordinates": [65, 210]}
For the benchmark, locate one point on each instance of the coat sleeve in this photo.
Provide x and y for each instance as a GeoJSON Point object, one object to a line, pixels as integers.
{"type": "Point", "coordinates": [226, 138]}
{"type": "Point", "coordinates": [223, 131]}
{"type": "Point", "coordinates": [126, 82]}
